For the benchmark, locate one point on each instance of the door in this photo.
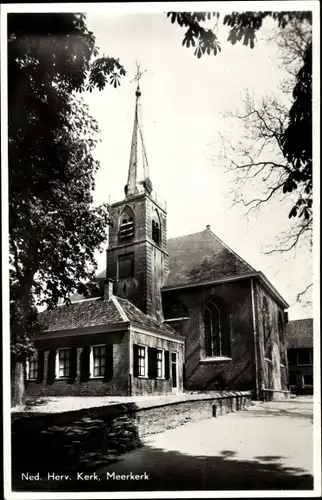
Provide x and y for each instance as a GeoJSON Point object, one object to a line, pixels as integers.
{"type": "Point", "coordinates": [174, 371]}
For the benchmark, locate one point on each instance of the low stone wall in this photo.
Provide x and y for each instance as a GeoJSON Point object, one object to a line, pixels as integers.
{"type": "Point", "coordinates": [90, 438]}
{"type": "Point", "coordinates": [161, 418]}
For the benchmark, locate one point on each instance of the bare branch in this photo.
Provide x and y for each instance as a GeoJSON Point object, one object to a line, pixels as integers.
{"type": "Point", "coordinates": [295, 237]}
{"type": "Point", "coordinates": [299, 295]}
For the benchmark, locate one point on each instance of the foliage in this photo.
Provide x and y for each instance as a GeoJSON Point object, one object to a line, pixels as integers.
{"type": "Point", "coordinates": [294, 139]}
{"type": "Point", "coordinates": [54, 226]}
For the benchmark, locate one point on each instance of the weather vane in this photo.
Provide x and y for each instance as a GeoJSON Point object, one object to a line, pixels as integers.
{"type": "Point", "coordinates": [139, 74]}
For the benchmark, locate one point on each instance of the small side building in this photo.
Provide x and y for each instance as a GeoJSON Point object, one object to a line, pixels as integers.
{"type": "Point", "coordinates": [104, 347]}
{"type": "Point", "coordinates": [299, 344]}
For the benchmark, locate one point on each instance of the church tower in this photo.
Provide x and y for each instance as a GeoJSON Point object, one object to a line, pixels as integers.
{"type": "Point", "coordinates": [137, 258]}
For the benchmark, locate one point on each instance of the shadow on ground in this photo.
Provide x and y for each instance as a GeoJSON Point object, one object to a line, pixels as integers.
{"type": "Point", "coordinates": [174, 471]}
{"type": "Point", "coordinates": [272, 412]}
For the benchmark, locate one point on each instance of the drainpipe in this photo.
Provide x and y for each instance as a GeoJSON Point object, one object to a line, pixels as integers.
{"type": "Point", "coordinates": [255, 338]}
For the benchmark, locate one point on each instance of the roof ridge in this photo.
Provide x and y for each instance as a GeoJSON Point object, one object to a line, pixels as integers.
{"type": "Point", "coordinates": [231, 250]}
{"type": "Point", "coordinates": [119, 307]}
{"type": "Point", "coordinates": [220, 240]}
{"type": "Point", "coordinates": [82, 300]}
{"type": "Point", "coordinates": [185, 235]}
{"type": "Point", "coordinates": [151, 318]}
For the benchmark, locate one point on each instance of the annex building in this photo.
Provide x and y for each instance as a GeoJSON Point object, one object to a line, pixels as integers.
{"type": "Point", "coordinates": [184, 313]}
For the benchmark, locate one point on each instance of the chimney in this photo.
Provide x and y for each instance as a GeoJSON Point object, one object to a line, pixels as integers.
{"type": "Point", "coordinates": [208, 227]}
{"type": "Point", "coordinates": [108, 288]}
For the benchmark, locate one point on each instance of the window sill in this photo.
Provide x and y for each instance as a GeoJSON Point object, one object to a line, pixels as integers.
{"type": "Point", "coordinates": [95, 378]}
{"type": "Point", "coordinates": [63, 378]}
{"type": "Point", "coordinates": [215, 359]}
{"type": "Point", "coordinates": [309, 364]}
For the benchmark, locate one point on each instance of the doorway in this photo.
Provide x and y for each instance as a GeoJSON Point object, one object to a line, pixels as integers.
{"type": "Point", "coordinates": [174, 371]}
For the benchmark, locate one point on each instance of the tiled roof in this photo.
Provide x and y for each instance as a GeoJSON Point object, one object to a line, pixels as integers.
{"type": "Point", "coordinates": [138, 317]}
{"type": "Point", "coordinates": [299, 333]}
{"type": "Point", "coordinates": [201, 257]}
{"type": "Point", "coordinates": [96, 312]}
{"type": "Point", "coordinates": [90, 312]}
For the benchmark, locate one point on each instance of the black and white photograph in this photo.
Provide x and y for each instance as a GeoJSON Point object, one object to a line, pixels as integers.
{"type": "Point", "coordinates": [160, 249]}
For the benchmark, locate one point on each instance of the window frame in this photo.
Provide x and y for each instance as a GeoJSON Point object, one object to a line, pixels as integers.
{"type": "Point", "coordinates": [29, 361]}
{"type": "Point", "coordinates": [92, 362]}
{"type": "Point", "coordinates": [162, 376]}
{"type": "Point", "coordinates": [57, 364]}
{"type": "Point", "coordinates": [304, 364]}
{"type": "Point", "coordinates": [156, 228]}
{"type": "Point", "coordinates": [210, 306]}
{"type": "Point", "coordinates": [145, 358]}
{"type": "Point", "coordinates": [127, 215]}
{"type": "Point", "coordinates": [130, 256]}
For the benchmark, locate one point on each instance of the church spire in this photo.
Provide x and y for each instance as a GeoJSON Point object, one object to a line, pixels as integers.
{"type": "Point", "coordinates": [138, 151]}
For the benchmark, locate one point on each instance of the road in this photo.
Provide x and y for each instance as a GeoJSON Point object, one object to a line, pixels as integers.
{"type": "Point", "coordinates": [267, 447]}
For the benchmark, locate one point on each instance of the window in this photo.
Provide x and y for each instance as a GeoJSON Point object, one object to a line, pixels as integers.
{"type": "Point", "coordinates": [281, 338]}
{"type": "Point", "coordinates": [126, 231]}
{"type": "Point", "coordinates": [304, 357]}
{"type": "Point", "coordinates": [33, 367]}
{"type": "Point", "coordinates": [150, 362]}
{"type": "Point", "coordinates": [99, 361]}
{"type": "Point", "coordinates": [156, 228]}
{"type": "Point", "coordinates": [160, 363]}
{"type": "Point", "coordinates": [217, 341]}
{"type": "Point", "coordinates": [292, 357]}
{"type": "Point", "coordinates": [126, 266]}
{"type": "Point", "coordinates": [142, 361]}
{"type": "Point", "coordinates": [63, 363]}
{"type": "Point", "coordinates": [266, 329]}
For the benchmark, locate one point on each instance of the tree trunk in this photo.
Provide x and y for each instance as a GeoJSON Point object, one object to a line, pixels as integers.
{"type": "Point", "coordinates": [18, 397]}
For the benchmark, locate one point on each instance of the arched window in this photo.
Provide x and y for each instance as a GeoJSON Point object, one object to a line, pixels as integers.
{"type": "Point", "coordinates": [281, 337]}
{"type": "Point", "coordinates": [156, 228]}
{"type": "Point", "coordinates": [126, 228]}
{"type": "Point", "coordinates": [217, 340]}
{"type": "Point", "coordinates": [266, 329]}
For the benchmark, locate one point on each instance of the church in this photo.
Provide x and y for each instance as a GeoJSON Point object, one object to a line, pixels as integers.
{"type": "Point", "coordinates": [176, 314]}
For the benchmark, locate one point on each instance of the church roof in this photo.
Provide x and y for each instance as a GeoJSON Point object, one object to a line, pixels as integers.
{"type": "Point", "coordinates": [202, 257]}
{"type": "Point", "coordinates": [97, 312]}
{"type": "Point", "coordinates": [299, 333]}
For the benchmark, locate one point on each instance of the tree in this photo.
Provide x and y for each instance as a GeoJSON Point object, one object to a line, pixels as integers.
{"type": "Point", "coordinates": [258, 159]}
{"type": "Point", "coordinates": [275, 149]}
{"type": "Point", "coordinates": [294, 139]}
{"type": "Point", "coordinates": [54, 226]}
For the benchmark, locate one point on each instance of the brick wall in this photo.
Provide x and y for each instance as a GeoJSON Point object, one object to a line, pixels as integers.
{"type": "Point", "coordinates": [117, 384]}
{"type": "Point", "coordinates": [150, 261]}
{"type": "Point", "coordinates": [240, 372]}
{"type": "Point", "coordinates": [141, 386]}
{"type": "Point", "coordinates": [269, 337]}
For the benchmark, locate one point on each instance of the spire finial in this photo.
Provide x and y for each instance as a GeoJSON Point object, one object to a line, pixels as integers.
{"type": "Point", "coordinates": [133, 185]}
{"type": "Point", "coordinates": [137, 78]}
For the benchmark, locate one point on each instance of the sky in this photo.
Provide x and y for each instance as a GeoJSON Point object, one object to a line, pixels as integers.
{"type": "Point", "coordinates": [183, 102]}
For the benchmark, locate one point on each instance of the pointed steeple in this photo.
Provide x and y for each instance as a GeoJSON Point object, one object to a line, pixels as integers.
{"type": "Point", "coordinates": [138, 156]}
